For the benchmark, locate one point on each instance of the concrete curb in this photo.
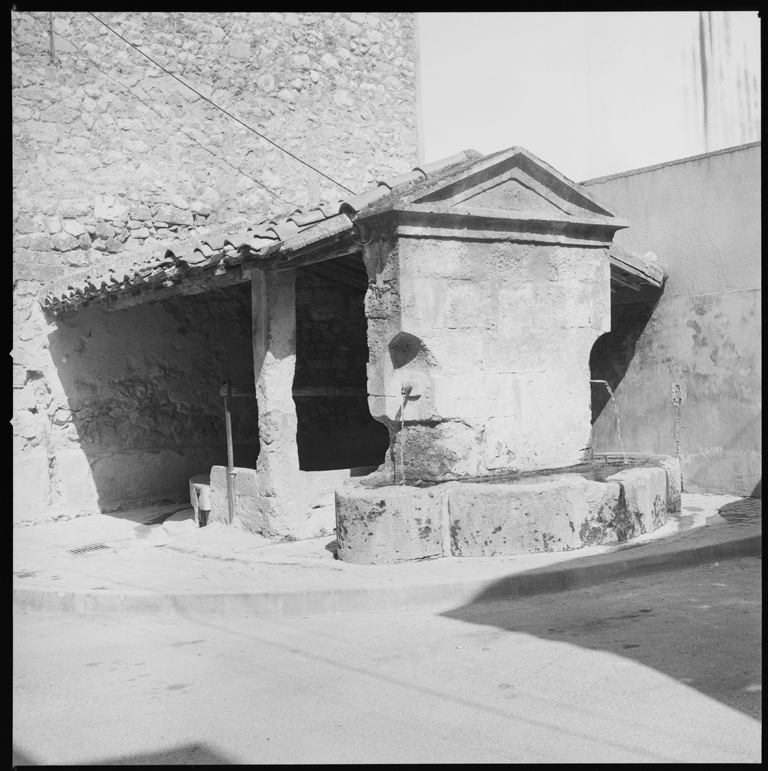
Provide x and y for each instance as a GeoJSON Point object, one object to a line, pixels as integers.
{"type": "Point", "coordinates": [591, 571]}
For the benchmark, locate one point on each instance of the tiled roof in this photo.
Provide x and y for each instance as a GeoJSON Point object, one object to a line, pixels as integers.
{"type": "Point", "coordinates": [216, 255]}
{"type": "Point", "coordinates": [283, 237]}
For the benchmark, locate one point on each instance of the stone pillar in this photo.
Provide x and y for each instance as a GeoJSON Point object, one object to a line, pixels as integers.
{"type": "Point", "coordinates": [491, 341]}
{"type": "Point", "coordinates": [274, 363]}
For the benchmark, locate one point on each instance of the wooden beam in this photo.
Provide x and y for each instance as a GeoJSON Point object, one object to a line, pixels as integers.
{"type": "Point", "coordinates": [340, 280]}
{"type": "Point", "coordinates": [624, 281]}
{"type": "Point", "coordinates": [636, 268]}
{"type": "Point", "coordinates": [206, 282]}
{"type": "Point", "coordinates": [288, 262]}
{"type": "Point", "coordinates": [340, 268]}
{"type": "Point", "coordinates": [329, 391]}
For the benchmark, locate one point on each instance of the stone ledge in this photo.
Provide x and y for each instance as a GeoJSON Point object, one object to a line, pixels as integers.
{"type": "Point", "coordinates": [399, 523]}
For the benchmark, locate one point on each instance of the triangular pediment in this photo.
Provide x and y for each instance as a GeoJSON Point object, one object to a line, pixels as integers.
{"type": "Point", "coordinates": [515, 181]}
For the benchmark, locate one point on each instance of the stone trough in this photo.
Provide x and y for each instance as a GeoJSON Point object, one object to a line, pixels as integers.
{"type": "Point", "coordinates": [560, 510]}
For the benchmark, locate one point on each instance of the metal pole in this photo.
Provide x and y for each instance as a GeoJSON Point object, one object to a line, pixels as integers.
{"type": "Point", "coordinates": [226, 391]}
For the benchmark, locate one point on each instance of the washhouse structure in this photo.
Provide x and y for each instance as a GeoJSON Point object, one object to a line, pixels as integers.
{"type": "Point", "coordinates": [461, 300]}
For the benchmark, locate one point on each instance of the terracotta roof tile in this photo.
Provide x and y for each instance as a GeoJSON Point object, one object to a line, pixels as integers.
{"type": "Point", "coordinates": [284, 229]}
{"type": "Point", "coordinates": [264, 230]}
{"type": "Point", "coordinates": [359, 202]}
{"type": "Point", "coordinates": [401, 179]}
{"type": "Point", "coordinates": [214, 243]}
{"type": "Point", "coordinates": [205, 250]}
{"type": "Point", "coordinates": [304, 219]}
{"type": "Point", "coordinates": [195, 258]}
{"type": "Point", "coordinates": [444, 163]}
{"type": "Point", "coordinates": [289, 231]}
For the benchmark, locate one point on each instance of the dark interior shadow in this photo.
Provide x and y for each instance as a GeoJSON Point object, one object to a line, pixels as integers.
{"type": "Point", "coordinates": [612, 352]}
{"type": "Point", "coordinates": [616, 627]}
{"type": "Point", "coordinates": [758, 491]}
{"type": "Point", "coordinates": [335, 427]}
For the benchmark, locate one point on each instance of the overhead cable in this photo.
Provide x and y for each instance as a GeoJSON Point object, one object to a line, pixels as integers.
{"type": "Point", "coordinates": [250, 128]}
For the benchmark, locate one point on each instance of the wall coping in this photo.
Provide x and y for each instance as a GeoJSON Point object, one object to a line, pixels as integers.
{"type": "Point", "coordinates": [688, 159]}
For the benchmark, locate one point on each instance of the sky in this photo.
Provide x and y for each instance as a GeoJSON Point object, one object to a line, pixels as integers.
{"type": "Point", "coordinates": [591, 94]}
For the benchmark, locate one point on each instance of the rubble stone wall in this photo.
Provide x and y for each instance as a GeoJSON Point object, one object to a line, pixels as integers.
{"type": "Point", "coordinates": [137, 404]}
{"type": "Point", "coordinates": [112, 155]}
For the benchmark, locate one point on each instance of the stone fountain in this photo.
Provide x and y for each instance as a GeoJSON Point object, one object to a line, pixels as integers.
{"type": "Point", "coordinates": [487, 291]}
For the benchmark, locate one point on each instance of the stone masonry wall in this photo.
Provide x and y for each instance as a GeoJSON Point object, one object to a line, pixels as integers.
{"type": "Point", "coordinates": [495, 339]}
{"type": "Point", "coordinates": [112, 155]}
{"type": "Point", "coordinates": [137, 404]}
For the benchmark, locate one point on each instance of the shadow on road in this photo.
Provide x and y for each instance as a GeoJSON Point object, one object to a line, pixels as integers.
{"type": "Point", "coordinates": [700, 625]}
{"type": "Point", "coordinates": [184, 755]}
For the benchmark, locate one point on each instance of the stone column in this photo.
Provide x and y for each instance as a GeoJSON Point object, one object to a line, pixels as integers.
{"type": "Point", "coordinates": [479, 352]}
{"type": "Point", "coordinates": [274, 362]}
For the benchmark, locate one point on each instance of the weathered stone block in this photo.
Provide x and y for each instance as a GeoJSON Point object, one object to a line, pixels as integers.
{"type": "Point", "coordinates": [388, 524]}
{"type": "Point", "coordinates": [31, 486]}
{"type": "Point", "coordinates": [490, 519]}
{"type": "Point", "coordinates": [173, 216]}
{"type": "Point", "coordinates": [26, 225]}
{"type": "Point", "coordinates": [37, 242]}
{"type": "Point", "coordinates": [645, 497]}
{"type": "Point", "coordinates": [58, 114]}
{"type": "Point", "coordinates": [73, 227]}
{"type": "Point", "coordinates": [63, 242]}
{"type": "Point", "coordinates": [72, 208]}
{"type": "Point", "coordinates": [46, 133]}
{"type": "Point", "coordinates": [440, 452]}
{"type": "Point", "coordinates": [674, 478]}
{"type": "Point", "coordinates": [254, 511]}
{"type": "Point", "coordinates": [110, 208]}
{"type": "Point", "coordinates": [140, 213]}
{"type": "Point", "coordinates": [104, 231]}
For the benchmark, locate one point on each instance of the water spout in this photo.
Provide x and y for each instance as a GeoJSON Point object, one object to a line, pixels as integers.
{"type": "Point", "coordinates": [616, 413]}
{"type": "Point", "coordinates": [406, 392]}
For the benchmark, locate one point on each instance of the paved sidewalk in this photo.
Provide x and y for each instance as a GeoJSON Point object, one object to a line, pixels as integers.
{"type": "Point", "coordinates": [156, 561]}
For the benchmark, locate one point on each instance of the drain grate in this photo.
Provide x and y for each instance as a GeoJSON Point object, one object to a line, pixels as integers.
{"type": "Point", "coordinates": [87, 549]}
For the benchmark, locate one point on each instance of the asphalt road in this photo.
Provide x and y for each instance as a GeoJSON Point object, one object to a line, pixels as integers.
{"type": "Point", "coordinates": [664, 668]}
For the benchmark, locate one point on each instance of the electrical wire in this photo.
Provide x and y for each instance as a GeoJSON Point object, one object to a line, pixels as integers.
{"type": "Point", "coordinates": [181, 128]}
{"type": "Point", "coordinates": [160, 66]}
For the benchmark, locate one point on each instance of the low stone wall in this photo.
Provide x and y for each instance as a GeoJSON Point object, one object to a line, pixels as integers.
{"type": "Point", "coordinates": [312, 499]}
{"type": "Point", "coordinates": [393, 524]}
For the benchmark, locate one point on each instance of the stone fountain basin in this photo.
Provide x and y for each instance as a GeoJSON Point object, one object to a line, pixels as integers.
{"type": "Point", "coordinates": [561, 511]}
